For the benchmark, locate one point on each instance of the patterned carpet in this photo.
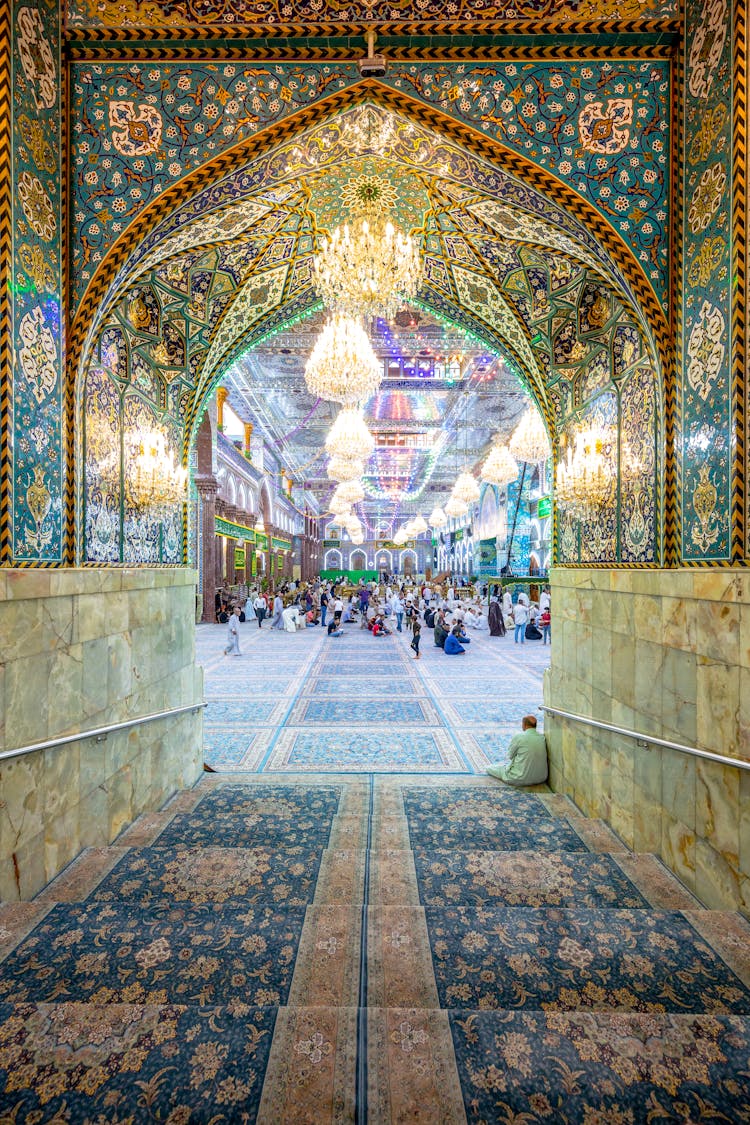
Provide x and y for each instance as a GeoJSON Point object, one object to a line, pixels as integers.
{"type": "Point", "coordinates": [303, 702]}
{"type": "Point", "coordinates": [382, 948]}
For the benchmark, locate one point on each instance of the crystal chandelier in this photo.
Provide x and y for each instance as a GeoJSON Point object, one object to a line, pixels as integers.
{"type": "Point", "coordinates": [437, 518]}
{"type": "Point", "coordinates": [529, 442]}
{"type": "Point", "coordinates": [585, 475]}
{"type": "Point", "coordinates": [343, 469]}
{"type": "Point", "coordinates": [353, 524]}
{"type": "Point", "coordinates": [342, 366]}
{"type": "Point", "coordinates": [349, 437]}
{"type": "Point", "coordinates": [351, 491]}
{"type": "Point", "coordinates": [500, 468]}
{"type": "Point", "coordinates": [340, 508]}
{"type": "Point", "coordinates": [466, 488]}
{"type": "Point", "coordinates": [156, 478]}
{"type": "Point", "coordinates": [357, 538]}
{"type": "Point", "coordinates": [400, 537]}
{"type": "Point", "coordinates": [418, 525]}
{"type": "Point", "coordinates": [456, 507]}
{"type": "Point", "coordinates": [368, 267]}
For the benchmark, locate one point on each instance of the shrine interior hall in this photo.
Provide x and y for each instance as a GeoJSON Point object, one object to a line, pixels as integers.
{"type": "Point", "coordinates": [304, 291]}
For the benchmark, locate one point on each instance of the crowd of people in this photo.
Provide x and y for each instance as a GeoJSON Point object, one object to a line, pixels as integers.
{"type": "Point", "coordinates": [392, 605]}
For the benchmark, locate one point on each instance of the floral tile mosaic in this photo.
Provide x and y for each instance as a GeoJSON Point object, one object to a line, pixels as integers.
{"type": "Point", "coordinates": [621, 960]}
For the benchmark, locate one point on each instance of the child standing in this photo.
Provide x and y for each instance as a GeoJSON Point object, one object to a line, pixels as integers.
{"type": "Point", "coordinates": [417, 630]}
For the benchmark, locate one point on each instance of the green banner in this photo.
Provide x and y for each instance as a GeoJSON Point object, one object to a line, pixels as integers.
{"type": "Point", "coordinates": [239, 558]}
{"type": "Point", "coordinates": [234, 530]}
{"type": "Point", "coordinates": [544, 507]}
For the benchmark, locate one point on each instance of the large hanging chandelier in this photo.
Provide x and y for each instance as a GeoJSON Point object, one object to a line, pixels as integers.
{"type": "Point", "coordinates": [437, 518]}
{"type": "Point", "coordinates": [353, 524]}
{"type": "Point", "coordinates": [500, 468]}
{"type": "Point", "coordinates": [349, 437]}
{"type": "Point", "coordinates": [343, 469]}
{"type": "Point", "coordinates": [456, 507]}
{"type": "Point", "coordinates": [466, 488]}
{"type": "Point", "coordinates": [351, 491]}
{"type": "Point", "coordinates": [400, 537]}
{"type": "Point", "coordinates": [418, 525]}
{"type": "Point", "coordinates": [342, 366]}
{"type": "Point", "coordinates": [368, 267]}
{"type": "Point", "coordinates": [357, 538]}
{"type": "Point", "coordinates": [340, 508]}
{"type": "Point", "coordinates": [585, 474]}
{"type": "Point", "coordinates": [156, 478]}
{"type": "Point", "coordinates": [529, 441]}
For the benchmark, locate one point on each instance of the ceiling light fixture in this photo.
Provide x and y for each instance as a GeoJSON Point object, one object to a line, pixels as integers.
{"type": "Point", "coordinates": [500, 468]}
{"type": "Point", "coordinates": [349, 437]}
{"type": "Point", "coordinates": [342, 366]}
{"type": "Point", "coordinates": [437, 518]}
{"type": "Point", "coordinates": [343, 469]}
{"type": "Point", "coordinates": [368, 267]}
{"type": "Point", "coordinates": [529, 442]}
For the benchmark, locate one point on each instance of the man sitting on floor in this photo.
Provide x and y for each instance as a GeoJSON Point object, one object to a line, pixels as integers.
{"type": "Point", "coordinates": [527, 757]}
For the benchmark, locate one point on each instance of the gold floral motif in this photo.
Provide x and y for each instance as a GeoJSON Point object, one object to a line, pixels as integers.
{"type": "Point", "coordinates": [704, 506]}
{"type": "Point", "coordinates": [33, 136]}
{"type": "Point", "coordinates": [37, 267]}
{"type": "Point", "coordinates": [37, 206]}
{"type": "Point", "coordinates": [707, 197]}
{"type": "Point", "coordinates": [703, 142]}
{"type": "Point", "coordinates": [706, 261]}
{"type": "Point", "coordinates": [39, 502]}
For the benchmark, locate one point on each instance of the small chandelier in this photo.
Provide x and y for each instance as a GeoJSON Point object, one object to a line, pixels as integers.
{"type": "Point", "coordinates": [342, 366]}
{"type": "Point", "coordinates": [343, 469]}
{"type": "Point", "coordinates": [353, 524]}
{"type": "Point", "coordinates": [466, 488]}
{"type": "Point", "coordinates": [349, 437]}
{"type": "Point", "coordinates": [437, 518]}
{"type": "Point", "coordinates": [400, 537]}
{"type": "Point", "coordinates": [529, 442]}
{"type": "Point", "coordinates": [418, 525]}
{"type": "Point", "coordinates": [456, 507]}
{"type": "Point", "coordinates": [156, 479]}
{"type": "Point", "coordinates": [585, 476]}
{"type": "Point", "coordinates": [500, 468]}
{"type": "Point", "coordinates": [368, 267]}
{"type": "Point", "coordinates": [357, 538]}
{"type": "Point", "coordinates": [351, 491]}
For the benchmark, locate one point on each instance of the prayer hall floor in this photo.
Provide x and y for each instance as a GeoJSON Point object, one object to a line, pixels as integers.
{"type": "Point", "coordinates": [360, 704]}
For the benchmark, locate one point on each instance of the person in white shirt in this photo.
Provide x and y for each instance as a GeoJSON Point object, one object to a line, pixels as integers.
{"type": "Point", "coordinates": [523, 598]}
{"type": "Point", "coordinates": [507, 602]}
{"type": "Point", "coordinates": [544, 600]}
{"type": "Point", "coordinates": [397, 607]}
{"type": "Point", "coordinates": [520, 620]}
{"type": "Point", "coordinates": [260, 605]}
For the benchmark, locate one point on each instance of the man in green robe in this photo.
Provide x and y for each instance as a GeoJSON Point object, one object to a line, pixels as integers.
{"type": "Point", "coordinates": [527, 757]}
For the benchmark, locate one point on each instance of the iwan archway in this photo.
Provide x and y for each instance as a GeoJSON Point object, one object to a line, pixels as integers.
{"type": "Point", "coordinates": [189, 288]}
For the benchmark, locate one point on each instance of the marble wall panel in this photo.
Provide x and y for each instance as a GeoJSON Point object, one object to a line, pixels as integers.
{"type": "Point", "coordinates": [83, 649]}
{"type": "Point", "coordinates": [671, 644]}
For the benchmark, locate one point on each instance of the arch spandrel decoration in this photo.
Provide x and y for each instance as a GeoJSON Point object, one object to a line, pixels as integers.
{"type": "Point", "coordinates": [213, 295]}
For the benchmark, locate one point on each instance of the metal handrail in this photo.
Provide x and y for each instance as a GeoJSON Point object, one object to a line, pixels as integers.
{"type": "Point", "coordinates": [647, 740]}
{"type": "Point", "coordinates": [99, 733]}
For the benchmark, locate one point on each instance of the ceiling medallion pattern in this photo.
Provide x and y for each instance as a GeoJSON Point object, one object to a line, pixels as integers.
{"type": "Point", "coordinates": [568, 117]}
